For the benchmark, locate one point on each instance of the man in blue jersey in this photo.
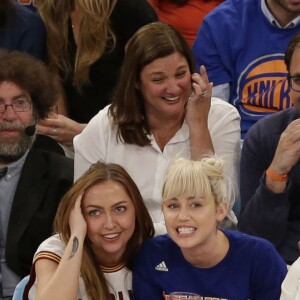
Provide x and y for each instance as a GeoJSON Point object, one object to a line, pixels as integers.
{"type": "Point", "coordinates": [242, 45]}
{"type": "Point", "coordinates": [270, 171]}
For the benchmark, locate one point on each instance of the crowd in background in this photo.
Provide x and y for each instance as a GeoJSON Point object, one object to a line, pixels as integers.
{"type": "Point", "coordinates": [142, 139]}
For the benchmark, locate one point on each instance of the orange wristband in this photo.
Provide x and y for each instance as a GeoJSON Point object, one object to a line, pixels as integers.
{"type": "Point", "coordinates": [276, 177]}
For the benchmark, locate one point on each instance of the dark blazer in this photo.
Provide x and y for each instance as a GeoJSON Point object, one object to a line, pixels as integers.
{"type": "Point", "coordinates": [44, 179]}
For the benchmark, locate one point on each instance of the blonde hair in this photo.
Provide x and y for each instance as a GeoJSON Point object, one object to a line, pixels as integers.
{"type": "Point", "coordinates": [202, 178]}
{"type": "Point", "coordinates": [95, 35]}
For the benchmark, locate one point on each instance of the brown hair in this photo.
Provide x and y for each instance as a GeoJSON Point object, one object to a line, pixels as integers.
{"type": "Point", "coordinates": [152, 41]}
{"type": "Point", "coordinates": [33, 76]}
{"type": "Point", "coordinates": [99, 173]}
{"type": "Point", "coordinates": [95, 35]}
{"type": "Point", "coordinates": [293, 44]}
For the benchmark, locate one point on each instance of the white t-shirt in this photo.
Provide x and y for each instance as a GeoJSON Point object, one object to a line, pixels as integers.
{"type": "Point", "coordinates": [290, 288]}
{"type": "Point", "coordinates": [119, 278]}
{"type": "Point", "coordinates": [147, 165]}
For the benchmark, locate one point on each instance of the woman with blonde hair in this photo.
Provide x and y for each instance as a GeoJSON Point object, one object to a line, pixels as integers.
{"type": "Point", "coordinates": [86, 41]}
{"type": "Point", "coordinates": [196, 255]}
{"type": "Point", "coordinates": [101, 223]}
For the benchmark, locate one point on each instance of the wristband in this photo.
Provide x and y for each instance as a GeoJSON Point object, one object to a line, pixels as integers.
{"type": "Point", "coordinates": [276, 177]}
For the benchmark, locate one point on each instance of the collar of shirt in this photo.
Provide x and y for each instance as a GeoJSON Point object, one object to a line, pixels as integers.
{"type": "Point", "coordinates": [14, 169]}
{"type": "Point", "coordinates": [272, 19]}
{"type": "Point", "coordinates": [181, 135]}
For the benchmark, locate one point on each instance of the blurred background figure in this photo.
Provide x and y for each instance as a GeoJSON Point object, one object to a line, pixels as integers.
{"type": "Point", "coordinates": [184, 15]}
{"type": "Point", "coordinates": [28, 4]}
{"type": "Point", "coordinates": [32, 181]}
{"type": "Point", "coordinates": [242, 45]}
{"type": "Point", "coordinates": [86, 44]}
{"type": "Point", "coordinates": [21, 29]}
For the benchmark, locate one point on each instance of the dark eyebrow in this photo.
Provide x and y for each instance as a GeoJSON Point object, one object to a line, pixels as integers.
{"type": "Point", "coordinates": [115, 205]}
{"type": "Point", "coordinates": [178, 69]}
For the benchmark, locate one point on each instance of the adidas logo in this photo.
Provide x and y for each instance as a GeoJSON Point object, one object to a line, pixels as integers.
{"type": "Point", "coordinates": [162, 267]}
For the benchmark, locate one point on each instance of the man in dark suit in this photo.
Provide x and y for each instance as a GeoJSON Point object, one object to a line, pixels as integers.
{"type": "Point", "coordinates": [32, 181]}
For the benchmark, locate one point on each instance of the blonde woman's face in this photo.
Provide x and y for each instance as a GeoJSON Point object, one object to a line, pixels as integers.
{"type": "Point", "coordinates": [110, 216]}
{"type": "Point", "coordinates": [190, 221]}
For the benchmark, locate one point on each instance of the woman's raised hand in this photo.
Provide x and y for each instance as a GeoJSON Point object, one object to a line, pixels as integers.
{"type": "Point", "coordinates": [77, 222]}
{"type": "Point", "coordinates": [60, 128]}
{"type": "Point", "coordinates": [198, 105]}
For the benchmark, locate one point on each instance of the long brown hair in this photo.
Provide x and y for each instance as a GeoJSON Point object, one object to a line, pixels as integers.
{"type": "Point", "coordinates": [98, 173]}
{"type": "Point", "coordinates": [152, 41]}
{"type": "Point", "coordinates": [95, 35]}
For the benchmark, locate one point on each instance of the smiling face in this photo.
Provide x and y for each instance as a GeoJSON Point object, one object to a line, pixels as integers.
{"type": "Point", "coordinates": [165, 84]}
{"type": "Point", "coordinates": [13, 141]}
{"type": "Point", "coordinates": [192, 222]}
{"type": "Point", "coordinates": [110, 216]}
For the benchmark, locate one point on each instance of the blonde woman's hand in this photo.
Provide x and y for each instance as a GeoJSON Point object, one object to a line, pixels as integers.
{"type": "Point", "coordinates": [77, 222]}
{"type": "Point", "coordinates": [199, 102]}
{"type": "Point", "coordinates": [60, 128]}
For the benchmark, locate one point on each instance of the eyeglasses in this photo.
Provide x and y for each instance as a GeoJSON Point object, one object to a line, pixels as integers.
{"type": "Point", "coordinates": [294, 82]}
{"type": "Point", "coordinates": [19, 105]}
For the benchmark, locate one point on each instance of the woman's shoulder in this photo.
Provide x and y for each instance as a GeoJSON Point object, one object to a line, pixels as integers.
{"type": "Point", "coordinates": [52, 247]}
{"type": "Point", "coordinates": [218, 104]}
{"type": "Point", "coordinates": [222, 113]}
{"type": "Point", "coordinates": [246, 244]}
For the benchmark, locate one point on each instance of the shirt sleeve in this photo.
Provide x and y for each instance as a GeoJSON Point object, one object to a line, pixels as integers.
{"type": "Point", "coordinates": [224, 127]}
{"type": "Point", "coordinates": [290, 289]}
{"type": "Point", "coordinates": [221, 91]}
{"type": "Point", "coordinates": [90, 144]}
{"type": "Point", "coordinates": [269, 270]}
{"type": "Point", "coordinates": [263, 213]}
{"type": "Point", "coordinates": [207, 52]}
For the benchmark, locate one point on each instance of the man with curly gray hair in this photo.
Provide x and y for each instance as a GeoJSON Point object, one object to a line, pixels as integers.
{"type": "Point", "coordinates": [32, 180]}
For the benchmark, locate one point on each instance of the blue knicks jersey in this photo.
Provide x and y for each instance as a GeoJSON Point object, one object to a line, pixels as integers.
{"type": "Point", "coordinates": [252, 269]}
{"type": "Point", "coordinates": [262, 88]}
{"type": "Point", "coordinates": [238, 45]}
